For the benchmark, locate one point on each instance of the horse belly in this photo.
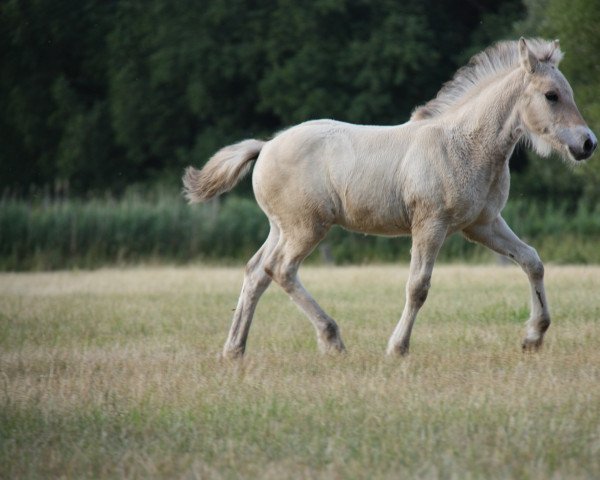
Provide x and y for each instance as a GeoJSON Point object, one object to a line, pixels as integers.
{"type": "Point", "coordinates": [373, 227]}
{"type": "Point", "coordinates": [378, 213]}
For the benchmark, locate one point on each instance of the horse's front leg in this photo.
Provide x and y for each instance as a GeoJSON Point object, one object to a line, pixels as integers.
{"type": "Point", "coordinates": [426, 244]}
{"type": "Point", "coordinates": [498, 236]}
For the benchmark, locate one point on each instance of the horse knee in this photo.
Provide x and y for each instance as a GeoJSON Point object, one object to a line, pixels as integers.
{"type": "Point", "coordinates": [418, 289]}
{"type": "Point", "coordinates": [255, 278]}
{"type": "Point", "coordinates": [534, 265]}
{"type": "Point", "coordinates": [257, 284]}
{"type": "Point", "coordinates": [284, 275]}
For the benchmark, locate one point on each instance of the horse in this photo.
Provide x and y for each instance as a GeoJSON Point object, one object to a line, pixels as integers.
{"type": "Point", "coordinates": [446, 170]}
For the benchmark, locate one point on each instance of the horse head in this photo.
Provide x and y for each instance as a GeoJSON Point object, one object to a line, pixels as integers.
{"type": "Point", "coordinates": [548, 111]}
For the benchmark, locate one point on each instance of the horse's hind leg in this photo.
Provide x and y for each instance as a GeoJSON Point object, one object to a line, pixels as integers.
{"type": "Point", "coordinates": [256, 282]}
{"type": "Point", "coordinates": [282, 265]}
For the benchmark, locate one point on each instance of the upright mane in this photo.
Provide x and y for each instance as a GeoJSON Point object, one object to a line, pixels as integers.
{"type": "Point", "coordinates": [498, 58]}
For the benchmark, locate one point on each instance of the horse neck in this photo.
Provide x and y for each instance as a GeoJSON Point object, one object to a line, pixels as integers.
{"type": "Point", "coordinates": [490, 119]}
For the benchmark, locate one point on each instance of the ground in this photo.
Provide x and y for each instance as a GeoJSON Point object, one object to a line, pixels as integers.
{"type": "Point", "coordinates": [117, 373]}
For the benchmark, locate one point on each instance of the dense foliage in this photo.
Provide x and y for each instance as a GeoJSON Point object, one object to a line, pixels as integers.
{"type": "Point", "coordinates": [98, 95]}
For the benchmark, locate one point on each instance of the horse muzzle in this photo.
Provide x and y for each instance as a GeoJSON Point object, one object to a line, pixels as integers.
{"type": "Point", "coordinates": [584, 147]}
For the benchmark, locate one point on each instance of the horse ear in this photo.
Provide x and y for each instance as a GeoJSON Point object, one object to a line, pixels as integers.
{"type": "Point", "coordinates": [528, 60]}
{"type": "Point", "coordinates": [556, 55]}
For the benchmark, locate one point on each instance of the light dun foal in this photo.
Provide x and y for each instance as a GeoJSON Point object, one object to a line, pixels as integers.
{"type": "Point", "coordinates": [444, 171]}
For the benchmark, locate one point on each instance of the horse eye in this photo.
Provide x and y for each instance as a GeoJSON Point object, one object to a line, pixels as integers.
{"type": "Point", "coordinates": [551, 96]}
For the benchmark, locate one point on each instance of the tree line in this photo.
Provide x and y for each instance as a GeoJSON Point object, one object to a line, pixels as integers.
{"type": "Point", "coordinates": [100, 95]}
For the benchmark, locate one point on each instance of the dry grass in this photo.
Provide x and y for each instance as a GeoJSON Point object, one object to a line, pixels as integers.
{"type": "Point", "coordinates": [116, 373]}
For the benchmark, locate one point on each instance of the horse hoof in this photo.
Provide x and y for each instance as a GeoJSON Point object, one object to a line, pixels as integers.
{"type": "Point", "coordinates": [530, 345]}
{"type": "Point", "coordinates": [397, 351]}
{"type": "Point", "coordinates": [332, 347]}
{"type": "Point", "coordinates": [232, 353]}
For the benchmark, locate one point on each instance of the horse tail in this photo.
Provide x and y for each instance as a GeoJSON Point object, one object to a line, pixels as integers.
{"type": "Point", "coordinates": [222, 172]}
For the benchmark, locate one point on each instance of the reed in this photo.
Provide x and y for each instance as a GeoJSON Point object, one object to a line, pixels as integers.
{"type": "Point", "coordinates": [46, 234]}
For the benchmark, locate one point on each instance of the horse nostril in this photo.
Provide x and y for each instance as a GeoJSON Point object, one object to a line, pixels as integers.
{"type": "Point", "coordinates": [589, 146]}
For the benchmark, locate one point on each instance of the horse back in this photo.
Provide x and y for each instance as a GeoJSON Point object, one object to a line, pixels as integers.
{"type": "Point", "coordinates": [336, 172]}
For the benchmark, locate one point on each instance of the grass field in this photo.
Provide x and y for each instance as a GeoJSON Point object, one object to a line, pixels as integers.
{"type": "Point", "coordinates": [116, 373]}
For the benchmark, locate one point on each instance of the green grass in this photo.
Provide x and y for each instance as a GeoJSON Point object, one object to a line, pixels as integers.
{"type": "Point", "coordinates": [116, 373]}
